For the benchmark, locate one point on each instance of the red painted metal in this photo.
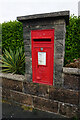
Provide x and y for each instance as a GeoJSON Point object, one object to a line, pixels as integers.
{"type": "Point", "coordinates": [42, 44]}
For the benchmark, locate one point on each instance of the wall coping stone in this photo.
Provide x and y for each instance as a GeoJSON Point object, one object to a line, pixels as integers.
{"type": "Point", "coordinates": [60, 14]}
{"type": "Point", "coordinates": [75, 71]}
{"type": "Point", "coordinates": [12, 76]}
{"type": "Point", "coordinates": [66, 70]}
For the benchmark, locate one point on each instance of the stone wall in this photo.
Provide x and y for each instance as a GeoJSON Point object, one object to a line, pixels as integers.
{"type": "Point", "coordinates": [71, 78]}
{"type": "Point", "coordinates": [59, 40]}
{"type": "Point", "coordinates": [64, 100]}
{"type": "Point", "coordinates": [56, 21]}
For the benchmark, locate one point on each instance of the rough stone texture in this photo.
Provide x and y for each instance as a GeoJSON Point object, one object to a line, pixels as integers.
{"type": "Point", "coordinates": [78, 114]}
{"type": "Point", "coordinates": [63, 95]}
{"type": "Point", "coordinates": [68, 110]}
{"type": "Point", "coordinates": [36, 89]}
{"type": "Point", "coordinates": [0, 92]}
{"type": "Point", "coordinates": [74, 71]}
{"type": "Point", "coordinates": [6, 93]}
{"type": "Point", "coordinates": [59, 44]}
{"type": "Point", "coordinates": [56, 21]}
{"type": "Point", "coordinates": [62, 14]}
{"type": "Point", "coordinates": [28, 77]}
{"type": "Point", "coordinates": [12, 84]}
{"type": "Point", "coordinates": [0, 82]}
{"type": "Point", "coordinates": [12, 76]}
{"type": "Point", "coordinates": [21, 98]}
{"type": "Point", "coordinates": [44, 104]}
{"type": "Point", "coordinates": [71, 82]}
{"type": "Point", "coordinates": [44, 97]}
{"type": "Point", "coordinates": [71, 97]}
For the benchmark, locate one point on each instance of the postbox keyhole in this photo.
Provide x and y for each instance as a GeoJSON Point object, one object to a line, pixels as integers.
{"type": "Point", "coordinates": [41, 49]}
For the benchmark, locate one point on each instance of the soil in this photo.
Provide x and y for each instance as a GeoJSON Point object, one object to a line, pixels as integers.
{"type": "Point", "coordinates": [74, 64]}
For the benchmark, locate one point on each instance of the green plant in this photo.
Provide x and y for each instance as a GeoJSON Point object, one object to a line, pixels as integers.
{"type": "Point", "coordinates": [72, 42]}
{"type": "Point", "coordinates": [12, 35]}
{"type": "Point", "coordinates": [13, 62]}
{"type": "Point", "coordinates": [75, 118]}
{"type": "Point", "coordinates": [0, 32]}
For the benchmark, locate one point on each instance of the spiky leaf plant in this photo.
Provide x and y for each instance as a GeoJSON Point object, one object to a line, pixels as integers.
{"type": "Point", "coordinates": [13, 62]}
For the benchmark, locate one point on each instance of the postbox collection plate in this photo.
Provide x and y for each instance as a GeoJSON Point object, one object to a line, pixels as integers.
{"type": "Point", "coordinates": [42, 56]}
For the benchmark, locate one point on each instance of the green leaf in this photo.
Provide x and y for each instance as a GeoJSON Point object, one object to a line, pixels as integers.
{"type": "Point", "coordinates": [13, 62]}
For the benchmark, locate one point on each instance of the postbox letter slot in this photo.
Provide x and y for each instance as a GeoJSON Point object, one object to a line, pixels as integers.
{"type": "Point", "coordinates": [42, 40]}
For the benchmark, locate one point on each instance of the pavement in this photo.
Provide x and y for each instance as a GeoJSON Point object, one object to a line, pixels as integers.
{"type": "Point", "coordinates": [15, 111]}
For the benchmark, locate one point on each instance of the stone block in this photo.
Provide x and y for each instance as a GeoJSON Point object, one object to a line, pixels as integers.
{"type": "Point", "coordinates": [28, 77]}
{"type": "Point", "coordinates": [58, 56]}
{"type": "Point", "coordinates": [42, 26]}
{"type": "Point", "coordinates": [26, 33]}
{"type": "Point", "coordinates": [0, 82]}
{"type": "Point", "coordinates": [59, 62]}
{"type": "Point", "coordinates": [58, 67]}
{"type": "Point", "coordinates": [27, 59]}
{"type": "Point", "coordinates": [45, 104]}
{"type": "Point", "coordinates": [59, 35]}
{"type": "Point", "coordinates": [12, 84]}
{"type": "Point", "coordinates": [74, 71]}
{"type": "Point", "coordinates": [28, 53]}
{"type": "Point", "coordinates": [6, 93]}
{"type": "Point", "coordinates": [59, 43]}
{"type": "Point", "coordinates": [71, 81]}
{"type": "Point", "coordinates": [27, 42]}
{"type": "Point", "coordinates": [28, 67]}
{"type": "Point", "coordinates": [60, 27]}
{"type": "Point", "coordinates": [29, 88]}
{"type": "Point", "coordinates": [68, 110]}
{"type": "Point", "coordinates": [36, 89]}
{"type": "Point", "coordinates": [56, 94]}
{"type": "Point", "coordinates": [26, 36]}
{"type": "Point", "coordinates": [41, 23]}
{"type": "Point", "coordinates": [59, 22]}
{"type": "Point", "coordinates": [59, 50]}
{"type": "Point", "coordinates": [58, 76]}
{"type": "Point", "coordinates": [0, 91]}
{"type": "Point", "coordinates": [58, 82]}
{"type": "Point", "coordinates": [71, 97]}
{"type": "Point", "coordinates": [27, 48]}
{"type": "Point", "coordinates": [42, 90]}
{"type": "Point", "coordinates": [21, 98]}
{"type": "Point", "coordinates": [63, 95]}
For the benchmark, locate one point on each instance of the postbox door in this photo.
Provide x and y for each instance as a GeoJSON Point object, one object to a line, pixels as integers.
{"type": "Point", "coordinates": [43, 64]}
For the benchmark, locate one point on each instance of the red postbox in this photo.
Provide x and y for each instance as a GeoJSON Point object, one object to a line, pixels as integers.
{"type": "Point", "coordinates": [42, 56]}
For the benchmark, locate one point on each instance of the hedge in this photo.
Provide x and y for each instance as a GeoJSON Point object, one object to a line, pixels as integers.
{"type": "Point", "coordinates": [72, 42]}
{"type": "Point", "coordinates": [12, 35]}
{"type": "Point", "coordinates": [0, 32]}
